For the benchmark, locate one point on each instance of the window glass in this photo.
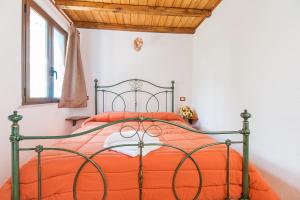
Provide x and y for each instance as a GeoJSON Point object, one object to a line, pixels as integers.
{"type": "Point", "coordinates": [38, 55]}
{"type": "Point", "coordinates": [58, 61]}
{"type": "Point", "coordinates": [44, 64]}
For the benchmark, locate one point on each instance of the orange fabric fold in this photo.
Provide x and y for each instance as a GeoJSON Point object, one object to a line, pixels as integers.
{"type": "Point", "coordinates": [59, 168]}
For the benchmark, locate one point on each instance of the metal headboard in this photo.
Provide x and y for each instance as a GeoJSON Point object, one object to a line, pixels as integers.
{"type": "Point", "coordinates": [135, 87]}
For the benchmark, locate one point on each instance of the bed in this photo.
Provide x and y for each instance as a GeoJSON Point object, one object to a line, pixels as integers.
{"type": "Point", "coordinates": [187, 164]}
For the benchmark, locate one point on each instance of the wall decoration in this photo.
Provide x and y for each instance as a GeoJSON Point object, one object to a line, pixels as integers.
{"type": "Point", "coordinates": [138, 43]}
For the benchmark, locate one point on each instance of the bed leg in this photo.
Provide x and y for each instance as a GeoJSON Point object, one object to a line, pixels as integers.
{"type": "Point", "coordinates": [245, 132]}
{"type": "Point", "coordinates": [96, 96]}
{"type": "Point", "coordinates": [14, 139]}
{"type": "Point", "coordinates": [173, 83]}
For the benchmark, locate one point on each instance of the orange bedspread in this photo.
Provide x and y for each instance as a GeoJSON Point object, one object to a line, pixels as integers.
{"type": "Point", "coordinates": [59, 168]}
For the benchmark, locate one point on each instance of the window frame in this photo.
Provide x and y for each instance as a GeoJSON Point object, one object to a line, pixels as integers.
{"type": "Point", "coordinates": [52, 25]}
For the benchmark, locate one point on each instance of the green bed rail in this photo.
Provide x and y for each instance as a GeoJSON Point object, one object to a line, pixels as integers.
{"type": "Point", "coordinates": [16, 138]}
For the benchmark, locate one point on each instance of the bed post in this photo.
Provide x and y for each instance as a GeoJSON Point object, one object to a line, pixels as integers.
{"type": "Point", "coordinates": [14, 139]}
{"type": "Point", "coordinates": [173, 82]}
{"type": "Point", "coordinates": [96, 96]}
{"type": "Point", "coordinates": [245, 132]}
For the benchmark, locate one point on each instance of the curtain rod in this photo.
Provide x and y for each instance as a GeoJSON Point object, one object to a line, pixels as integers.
{"type": "Point", "coordinates": [62, 12]}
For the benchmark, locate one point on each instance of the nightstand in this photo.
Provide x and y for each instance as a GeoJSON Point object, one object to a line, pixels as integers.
{"type": "Point", "coordinates": [75, 119]}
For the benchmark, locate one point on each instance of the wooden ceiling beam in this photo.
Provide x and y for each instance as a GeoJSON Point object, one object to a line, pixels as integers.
{"type": "Point", "coordinates": [135, 28]}
{"type": "Point", "coordinates": [125, 8]}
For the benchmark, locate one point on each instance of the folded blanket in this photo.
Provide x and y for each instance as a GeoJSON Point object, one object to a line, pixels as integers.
{"type": "Point", "coordinates": [131, 137]}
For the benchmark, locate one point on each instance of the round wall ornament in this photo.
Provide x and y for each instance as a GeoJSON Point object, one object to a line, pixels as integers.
{"type": "Point", "coordinates": [138, 43]}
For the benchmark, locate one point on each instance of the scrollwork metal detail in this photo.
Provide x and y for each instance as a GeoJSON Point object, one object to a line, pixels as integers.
{"type": "Point", "coordinates": [15, 138]}
{"type": "Point", "coordinates": [39, 149]}
{"type": "Point", "coordinates": [136, 84]}
{"type": "Point", "coordinates": [141, 129]}
{"type": "Point", "coordinates": [155, 94]}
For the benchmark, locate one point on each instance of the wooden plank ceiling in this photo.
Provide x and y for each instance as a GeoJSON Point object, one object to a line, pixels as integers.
{"type": "Point", "coordinates": [165, 16]}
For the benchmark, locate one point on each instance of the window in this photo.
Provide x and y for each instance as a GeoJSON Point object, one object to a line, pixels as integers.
{"type": "Point", "coordinates": [44, 56]}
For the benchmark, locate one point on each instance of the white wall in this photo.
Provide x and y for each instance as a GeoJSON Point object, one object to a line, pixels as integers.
{"type": "Point", "coordinates": [163, 58]}
{"type": "Point", "coordinates": [247, 55]}
{"type": "Point", "coordinates": [38, 119]}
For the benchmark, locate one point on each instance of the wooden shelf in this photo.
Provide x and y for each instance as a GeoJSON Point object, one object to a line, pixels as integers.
{"type": "Point", "coordinates": [74, 119]}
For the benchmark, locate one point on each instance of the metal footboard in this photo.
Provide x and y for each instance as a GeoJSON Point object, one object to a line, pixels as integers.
{"type": "Point", "coordinates": [16, 138]}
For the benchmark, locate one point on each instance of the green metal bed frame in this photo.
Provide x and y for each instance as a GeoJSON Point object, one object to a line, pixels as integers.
{"type": "Point", "coordinates": [135, 88]}
{"type": "Point", "coordinates": [16, 138]}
